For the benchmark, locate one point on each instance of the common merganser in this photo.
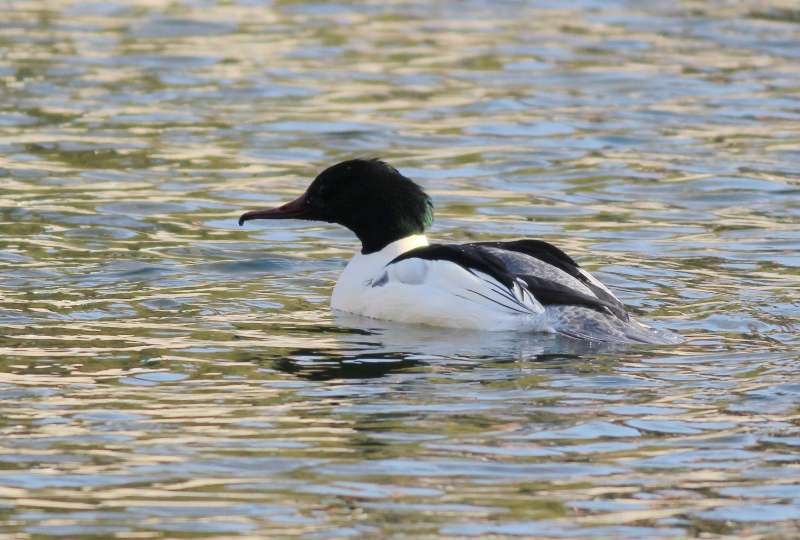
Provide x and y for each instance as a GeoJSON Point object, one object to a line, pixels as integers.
{"type": "Point", "coordinates": [518, 285]}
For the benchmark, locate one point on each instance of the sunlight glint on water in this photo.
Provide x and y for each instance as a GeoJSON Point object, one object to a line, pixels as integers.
{"type": "Point", "coordinates": [166, 373]}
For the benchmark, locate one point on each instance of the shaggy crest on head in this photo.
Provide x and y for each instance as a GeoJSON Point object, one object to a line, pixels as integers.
{"type": "Point", "coordinates": [522, 285]}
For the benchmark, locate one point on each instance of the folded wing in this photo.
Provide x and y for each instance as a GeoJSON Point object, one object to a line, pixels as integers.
{"type": "Point", "coordinates": [538, 268]}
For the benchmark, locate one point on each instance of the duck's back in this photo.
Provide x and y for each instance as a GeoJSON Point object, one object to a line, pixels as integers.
{"type": "Point", "coordinates": [519, 285]}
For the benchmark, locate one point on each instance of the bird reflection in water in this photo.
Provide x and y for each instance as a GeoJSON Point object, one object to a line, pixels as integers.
{"type": "Point", "coordinates": [370, 348]}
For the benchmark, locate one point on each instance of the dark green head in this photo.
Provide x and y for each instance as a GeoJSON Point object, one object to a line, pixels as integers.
{"type": "Point", "coordinates": [367, 196]}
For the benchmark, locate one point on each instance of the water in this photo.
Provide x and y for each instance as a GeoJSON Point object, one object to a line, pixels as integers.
{"type": "Point", "coordinates": [165, 373]}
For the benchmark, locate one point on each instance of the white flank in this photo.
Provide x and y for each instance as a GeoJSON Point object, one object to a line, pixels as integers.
{"type": "Point", "coordinates": [439, 293]}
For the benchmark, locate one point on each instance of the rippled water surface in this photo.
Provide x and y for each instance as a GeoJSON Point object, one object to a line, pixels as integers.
{"type": "Point", "coordinates": [167, 374]}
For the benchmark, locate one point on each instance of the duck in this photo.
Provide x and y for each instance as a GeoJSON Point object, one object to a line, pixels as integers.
{"type": "Point", "coordinates": [519, 285]}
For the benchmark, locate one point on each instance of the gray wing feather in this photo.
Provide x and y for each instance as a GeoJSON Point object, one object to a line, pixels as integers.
{"type": "Point", "coordinates": [518, 263]}
{"type": "Point", "coordinates": [585, 323]}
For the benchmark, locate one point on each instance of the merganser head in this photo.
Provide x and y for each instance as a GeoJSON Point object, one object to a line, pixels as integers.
{"type": "Point", "coordinates": [368, 196]}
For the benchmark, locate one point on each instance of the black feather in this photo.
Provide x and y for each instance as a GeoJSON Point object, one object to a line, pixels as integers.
{"type": "Point", "coordinates": [552, 293]}
{"type": "Point", "coordinates": [539, 249]}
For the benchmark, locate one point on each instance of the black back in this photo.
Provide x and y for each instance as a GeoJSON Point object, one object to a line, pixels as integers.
{"type": "Point", "coordinates": [539, 249]}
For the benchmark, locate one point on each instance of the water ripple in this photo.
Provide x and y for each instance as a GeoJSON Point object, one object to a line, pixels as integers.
{"type": "Point", "coordinates": [166, 373]}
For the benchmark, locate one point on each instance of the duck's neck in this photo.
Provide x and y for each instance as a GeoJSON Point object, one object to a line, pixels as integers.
{"type": "Point", "coordinates": [380, 226]}
{"type": "Point", "coordinates": [370, 263]}
{"type": "Point", "coordinates": [376, 239]}
{"type": "Point", "coordinates": [395, 249]}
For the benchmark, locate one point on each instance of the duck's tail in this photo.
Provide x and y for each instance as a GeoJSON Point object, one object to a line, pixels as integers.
{"type": "Point", "coordinates": [585, 323]}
